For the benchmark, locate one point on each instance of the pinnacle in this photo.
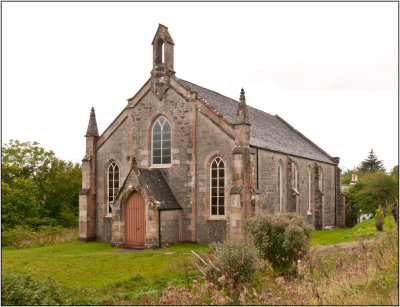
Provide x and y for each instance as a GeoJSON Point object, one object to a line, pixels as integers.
{"type": "Point", "coordinates": [92, 127]}
{"type": "Point", "coordinates": [242, 116]}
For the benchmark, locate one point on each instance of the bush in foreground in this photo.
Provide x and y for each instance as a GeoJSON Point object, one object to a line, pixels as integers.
{"type": "Point", "coordinates": [23, 290]}
{"type": "Point", "coordinates": [379, 219]}
{"type": "Point", "coordinates": [282, 239]}
{"type": "Point", "coordinates": [233, 262]}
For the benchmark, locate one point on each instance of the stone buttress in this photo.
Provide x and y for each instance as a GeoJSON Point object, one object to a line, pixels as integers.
{"type": "Point", "coordinates": [244, 196]}
{"type": "Point", "coordinates": [87, 195]}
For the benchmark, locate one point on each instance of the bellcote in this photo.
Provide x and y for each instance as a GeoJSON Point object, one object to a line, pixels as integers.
{"type": "Point", "coordinates": [163, 48]}
{"type": "Point", "coordinates": [163, 60]}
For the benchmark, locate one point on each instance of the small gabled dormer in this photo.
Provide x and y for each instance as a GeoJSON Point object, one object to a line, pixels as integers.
{"type": "Point", "coordinates": [163, 60]}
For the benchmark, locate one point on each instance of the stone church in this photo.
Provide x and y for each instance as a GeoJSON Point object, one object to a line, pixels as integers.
{"type": "Point", "coordinates": [184, 163]}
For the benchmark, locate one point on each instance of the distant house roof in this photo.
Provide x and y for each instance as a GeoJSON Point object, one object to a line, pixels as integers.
{"type": "Point", "coordinates": [266, 131]}
{"type": "Point", "coordinates": [155, 184]}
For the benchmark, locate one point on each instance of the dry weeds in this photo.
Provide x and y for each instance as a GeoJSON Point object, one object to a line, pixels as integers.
{"type": "Point", "coordinates": [361, 274]}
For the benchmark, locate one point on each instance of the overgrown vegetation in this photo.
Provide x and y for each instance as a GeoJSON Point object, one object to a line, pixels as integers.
{"type": "Point", "coordinates": [87, 274]}
{"type": "Point", "coordinates": [231, 265]}
{"type": "Point", "coordinates": [37, 188]}
{"type": "Point", "coordinates": [379, 219]}
{"type": "Point", "coordinates": [282, 239]}
{"type": "Point", "coordinates": [365, 275]}
{"type": "Point", "coordinates": [22, 236]}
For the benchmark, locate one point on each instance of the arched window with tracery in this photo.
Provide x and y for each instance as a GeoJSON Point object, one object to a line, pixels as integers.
{"type": "Point", "coordinates": [161, 142]}
{"type": "Point", "coordinates": [113, 184]}
{"type": "Point", "coordinates": [217, 186]}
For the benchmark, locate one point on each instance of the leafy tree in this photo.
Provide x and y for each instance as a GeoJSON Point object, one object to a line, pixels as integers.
{"type": "Point", "coordinates": [373, 190]}
{"type": "Point", "coordinates": [352, 212]}
{"type": "Point", "coordinates": [371, 164]}
{"type": "Point", "coordinates": [24, 159]}
{"type": "Point", "coordinates": [37, 187]}
{"type": "Point", "coordinates": [395, 171]}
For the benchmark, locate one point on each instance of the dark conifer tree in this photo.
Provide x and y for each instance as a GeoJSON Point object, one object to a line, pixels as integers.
{"type": "Point", "coordinates": [371, 164]}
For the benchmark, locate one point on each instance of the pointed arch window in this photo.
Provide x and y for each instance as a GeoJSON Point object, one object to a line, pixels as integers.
{"type": "Point", "coordinates": [113, 184]}
{"type": "Point", "coordinates": [217, 186]}
{"type": "Point", "coordinates": [294, 176]}
{"type": "Point", "coordinates": [321, 179]}
{"type": "Point", "coordinates": [280, 186]}
{"type": "Point", "coordinates": [161, 142]}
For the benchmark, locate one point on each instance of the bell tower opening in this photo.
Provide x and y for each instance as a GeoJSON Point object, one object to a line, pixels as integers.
{"type": "Point", "coordinates": [163, 50]}
{"type": "Point", "coordinates": [159, 52]}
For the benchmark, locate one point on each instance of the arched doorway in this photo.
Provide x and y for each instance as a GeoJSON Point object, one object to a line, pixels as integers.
{"type": "Point", "coordinates": [135, 223]}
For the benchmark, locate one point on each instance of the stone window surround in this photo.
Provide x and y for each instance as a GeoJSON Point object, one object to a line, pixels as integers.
{"type": "Point", "coordinates": [154, 121]}
{"type": "Point", "coordinates": [217, 216]}
{"type": "Point", "coordinates": [111, 162]}
{"type": "Point", "coordinates": [280, 186]}
{"type": "Point", "coordinates": [309, 190]}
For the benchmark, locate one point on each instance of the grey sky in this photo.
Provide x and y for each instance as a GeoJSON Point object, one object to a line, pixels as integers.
{"type": "Point", "coordinates": [329, 69]}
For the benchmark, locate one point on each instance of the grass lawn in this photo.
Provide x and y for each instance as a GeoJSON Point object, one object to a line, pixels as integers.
{"type": "Point", "coordinates": [96, 267]}
{"type": "Point", "coordinates": [338, 235]}
{"type": "Point", "coordinates": [96, 264]}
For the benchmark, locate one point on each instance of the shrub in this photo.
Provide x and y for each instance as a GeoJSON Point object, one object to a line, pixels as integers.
{"type": "Point", "coordinates": [379, 219]}
{"type": "Point", "coordinates": [233, 261]}
{"type": "Point", "coordinates": [23, 290]}
{"type": "Point", "coordinates": [282, 239]}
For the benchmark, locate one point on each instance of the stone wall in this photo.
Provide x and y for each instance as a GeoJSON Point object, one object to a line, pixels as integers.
{"type": "Point", "coordinates": [322, 202]}
{"type": "Point", "coordinates": [132, 138]}
{"type": "Point", "coordinates": [115, 148]}
{"type": "Point", "coordinates": [170, 222]}
{"type": "Point", "coordinates": [212, 142]}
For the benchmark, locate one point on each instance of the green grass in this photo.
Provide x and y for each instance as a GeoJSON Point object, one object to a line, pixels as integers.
{"type": "Point", "coordinates": [339, 235]}
{"type": "Point", "coordinates": [183, 248]}
{"type": "Point", "coordinates": [90, 264]}
{"type": "Point", "coordinates": [97, 270]}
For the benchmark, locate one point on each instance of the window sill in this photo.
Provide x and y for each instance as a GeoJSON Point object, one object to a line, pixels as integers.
{"type": "Point", "coordinates": [109, 215]}
{"type": "Point", "coordinates": [295, 192]}
{"type": "Point", "coordinates": [160, 166]}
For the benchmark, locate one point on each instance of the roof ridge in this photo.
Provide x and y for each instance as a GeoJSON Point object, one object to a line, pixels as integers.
{"type": "Point", "coordinates": [302, 135]}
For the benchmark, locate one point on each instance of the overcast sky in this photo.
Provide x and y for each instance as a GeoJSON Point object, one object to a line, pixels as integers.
{"type": "Point", "coordinates": [329, 69]}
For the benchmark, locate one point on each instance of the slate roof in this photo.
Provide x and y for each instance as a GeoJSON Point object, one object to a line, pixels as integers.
{"type": "Point", "coordinates": [266, 131]}
{"type": "Point", "coordinates": [155, 184]}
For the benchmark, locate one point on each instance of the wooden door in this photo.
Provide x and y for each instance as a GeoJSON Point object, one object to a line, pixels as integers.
{"type": "Point", "coordinates": [135, 224]}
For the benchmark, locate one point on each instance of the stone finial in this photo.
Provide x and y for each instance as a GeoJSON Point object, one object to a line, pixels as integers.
{"type": "Point", "coordinates": [92, 127]}
{"type": "Point", "coordinates": [242, 117]}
